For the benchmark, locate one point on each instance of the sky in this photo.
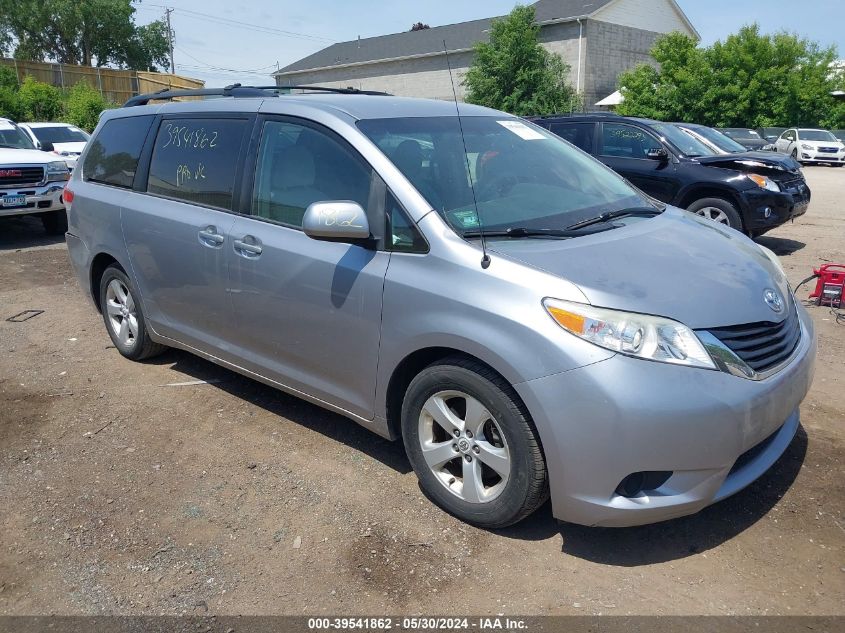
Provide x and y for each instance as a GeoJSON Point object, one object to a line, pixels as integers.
{"type": "Point", "coordinates": [222, 43]}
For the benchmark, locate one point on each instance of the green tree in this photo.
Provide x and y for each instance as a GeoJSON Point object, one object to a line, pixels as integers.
{"type": "Point", "coordinates": [39, 101]}
{"type": "Point", "coordinates": [87, 32]}
{"type": "Point", "coordinates": [749, 80]}
{"type": "Point", "coordinates": [513, 72]}
{"type": "Point", "coordinates": [84, 105]}
{"type": "Point", "coordinates": [10, 104]}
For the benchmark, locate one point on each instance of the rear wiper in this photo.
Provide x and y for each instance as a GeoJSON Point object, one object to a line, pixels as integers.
{"type": "Point", "coordinates": [522, 231]}
{"type": "Point", "coordinates": [612, 215]}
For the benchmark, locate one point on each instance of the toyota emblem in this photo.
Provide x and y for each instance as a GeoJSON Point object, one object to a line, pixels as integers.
{"type": "Point", "coordinates": [773, 300]}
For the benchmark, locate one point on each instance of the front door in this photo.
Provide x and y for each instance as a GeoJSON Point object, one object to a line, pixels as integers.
{"type": "Point", "coordinates": [308, 312]}
{"type": "Point", "coordinates": [624, 149]}
{"type": "Point", "coordinates": [177, 231]}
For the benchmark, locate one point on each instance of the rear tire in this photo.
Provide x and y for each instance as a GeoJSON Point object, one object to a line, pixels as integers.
{"type": "Point", "coordinates": [492, 473]}
{"type": "Point", "coordinates": [55, 222]}
{"type": "Point", "coordinates": [124, 318]}
{"type": "Point", "coordinates": [719, 210]}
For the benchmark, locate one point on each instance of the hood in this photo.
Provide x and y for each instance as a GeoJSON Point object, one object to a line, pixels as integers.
{"type": "Point", "coordinates": [753, 161]}
{"type": "Point", "coordinates": [26, 157]}
{"type": "Point", "coordinates": [74, 147]}
{"type": "Point", "coordinates": [674, 265]}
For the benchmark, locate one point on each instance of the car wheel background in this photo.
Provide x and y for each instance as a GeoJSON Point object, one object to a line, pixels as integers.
{"type": "Point", "coordinates": [718, 210]}
{"type": "Point", "coordinates": [507, 428]}
{"type": "Point", "coordinates": [55, 222]}
{"type": "Point", "coordinates": [124, 318]}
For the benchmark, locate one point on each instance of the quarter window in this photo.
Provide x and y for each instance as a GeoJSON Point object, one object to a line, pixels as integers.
{"type": "Point", "coordinates": [113, 156]}
{"type": "Point", "coordinates": [626, 141]}
{"type": "Point", "coordinates": [299, 165]}
{"type": "Point", "coordinates": [195, 160]}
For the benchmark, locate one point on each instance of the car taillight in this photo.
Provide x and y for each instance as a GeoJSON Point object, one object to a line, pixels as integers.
{"type": "Point", "coordinates": [67, 196]}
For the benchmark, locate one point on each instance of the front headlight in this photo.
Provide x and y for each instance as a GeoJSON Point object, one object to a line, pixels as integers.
{"type": "Point", "coordinates": [805, 146]}
{"type": "Point", "coordinates": [639, 335]}
{"type": "Point", "coordinates": [764, 182]}
{"type": "Point", "coordinates": [57, 171]}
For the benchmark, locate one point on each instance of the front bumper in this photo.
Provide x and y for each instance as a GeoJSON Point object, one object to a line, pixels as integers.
{"type": "Point", "coordinates": [765, 210]}
{"type": "Point", "coordinates": [716, 433]}
{"type": "Point", "coordinates": [39, 199]}
{"type": "Point", "coordinates": [812, 156]}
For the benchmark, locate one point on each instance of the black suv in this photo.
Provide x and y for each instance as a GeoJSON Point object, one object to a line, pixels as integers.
{"type": "Point", "coordinates": [753, 192]}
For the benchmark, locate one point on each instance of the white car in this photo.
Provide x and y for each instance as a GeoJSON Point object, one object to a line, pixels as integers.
{"type": "Point", "coordinates": [31, 181]}
{"type": "Point", "coordinates": [62, 139]}
{"type": "Point", "coordinates": [812, 146]}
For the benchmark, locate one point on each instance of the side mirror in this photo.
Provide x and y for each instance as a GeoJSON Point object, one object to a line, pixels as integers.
{"type": "Point", "coordinates": [657, 153]}
{"type": "Point", "coordinates": [340, 220]}
{"type": "Point", "coordinates": [47, 146]}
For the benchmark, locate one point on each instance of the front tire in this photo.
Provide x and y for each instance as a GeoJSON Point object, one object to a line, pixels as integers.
{"type": "Point", "coordinates": [472, 444]}
{"type": "Point", "coordinates": [719, 210]}
{"type": "Point", "coordinates": [55, 222]}
{"type": "Point", "coordinates": [124, 318]}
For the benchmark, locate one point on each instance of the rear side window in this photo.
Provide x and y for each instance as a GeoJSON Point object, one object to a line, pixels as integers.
{"type": "Point", "coordinates": [195, 160]}
{"type": "Point", "coordinates": [113, 156]}
{"type": "Point", "coordinates": [579, 134]}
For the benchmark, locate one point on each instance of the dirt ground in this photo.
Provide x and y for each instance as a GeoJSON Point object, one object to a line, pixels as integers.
{"type": "Point", "coordinates": [120, 494]}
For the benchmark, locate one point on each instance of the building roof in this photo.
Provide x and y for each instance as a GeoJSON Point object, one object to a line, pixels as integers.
{"type": "Point", "coordinates": [458, 37]}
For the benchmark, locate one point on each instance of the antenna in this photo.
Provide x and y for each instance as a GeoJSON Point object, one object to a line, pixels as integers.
{"type": "Point", "coordinates": [485, 258]}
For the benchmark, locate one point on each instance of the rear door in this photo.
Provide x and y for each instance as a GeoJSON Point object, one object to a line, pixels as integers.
{"type": "Point", "coordinates": [308, 312]}
{"type": "Point", "coordinates": [177, 226]}
{"type": "Point", "coordinates": [623, 148]}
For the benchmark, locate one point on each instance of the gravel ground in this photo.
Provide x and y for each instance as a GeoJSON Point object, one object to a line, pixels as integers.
{"type": "Point", "coordinates": [121, 494]}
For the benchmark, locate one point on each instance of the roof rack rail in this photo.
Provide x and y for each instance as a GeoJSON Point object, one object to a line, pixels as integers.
{"type": "Point", "coordinates": [237, 90]}
{"type": "Point", "coordinates": [610, 115]}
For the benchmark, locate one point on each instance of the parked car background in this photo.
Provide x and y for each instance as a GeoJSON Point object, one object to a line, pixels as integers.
{"type": "Point", "coordinates": [751, 192]}
{"type": "Point", "coordinates": [771, 134]}
{"type": "Point", "coordinates": [840, 134]}
{"type": "Point", "coordinates": [750, 139]}
{"type": "Point", "coordinates": [812, 146]}
{"type": "Point", "coordinates": [31, 181]}
{"type": "Point", "coordinates": [63, 139]}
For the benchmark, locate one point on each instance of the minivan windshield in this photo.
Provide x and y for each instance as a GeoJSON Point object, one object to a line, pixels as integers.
{"type": "Point", "coordinates": [11, 136]}
{"type": "Point", "coordinates": [816, 135]}
{"type": "Point", "coordinates": [521, 176]}
{"type": "Point", "coordinates": [723, 142]}
{"type": "Point", "coordinates": [688, 146]}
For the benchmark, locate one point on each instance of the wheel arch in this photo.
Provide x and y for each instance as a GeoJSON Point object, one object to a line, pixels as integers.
{"type": "Point", "coordinates": [697, 192]}
{"type": "Point", "coordinates": [99, 263]}
{"type": "Point", "coordinates": [410, 366]}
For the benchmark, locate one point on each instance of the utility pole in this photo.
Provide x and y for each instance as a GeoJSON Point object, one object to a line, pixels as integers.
{"type": "Point", "coordinates": [167, 13]}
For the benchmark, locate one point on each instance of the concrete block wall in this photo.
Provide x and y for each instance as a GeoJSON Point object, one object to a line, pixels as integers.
{"type": "Point", "coordinates": [611, 50]}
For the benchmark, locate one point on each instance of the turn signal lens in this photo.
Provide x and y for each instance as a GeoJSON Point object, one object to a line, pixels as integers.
{"type": "Point", "coordinates": [765, 183]}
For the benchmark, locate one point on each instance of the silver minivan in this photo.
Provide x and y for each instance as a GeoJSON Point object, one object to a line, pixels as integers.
{"type": "Point", "coordinates": [523, 319]}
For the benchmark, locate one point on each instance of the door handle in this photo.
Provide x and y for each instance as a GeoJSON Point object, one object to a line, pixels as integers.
{"type": "Point", "coordinates": [248, 246]}
{"type": "Point", "coordinates": [210, 237]}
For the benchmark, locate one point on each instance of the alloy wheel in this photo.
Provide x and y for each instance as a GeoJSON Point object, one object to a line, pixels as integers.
{"type": "Point", "coordinates": [712, 213]}
{"type": "Point", "coordinates": [464, 446]}
{"type": "Point", "coordinates": [122, 314]}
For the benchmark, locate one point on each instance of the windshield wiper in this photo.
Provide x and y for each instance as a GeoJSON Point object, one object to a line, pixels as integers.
{"type": "Point", "coordinates": [517, 232]}
{"type": "Point", "coordinates": [612, 215]}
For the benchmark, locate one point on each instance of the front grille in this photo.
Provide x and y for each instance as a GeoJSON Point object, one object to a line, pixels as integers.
{"type": "Point", "coordinates": [20, 176]}
{"type": "Point", "coordinates": [829, 150]}
{"type": "Point", "coordinates": [765, 344]}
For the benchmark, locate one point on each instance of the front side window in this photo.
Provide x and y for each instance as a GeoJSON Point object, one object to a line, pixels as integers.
{"type": "Point", "coordinates": [579, 134]}
{"type": "Point", "coordinates": [519, 175]}
{"type": "Point", "coordinates": [112, 157]}
{"type": "Point", "coordinates": [626, 141]}
{"type": "Point", "coordinates": [299, 165]}
{"type": "Point", "coordinates": [195, 160]}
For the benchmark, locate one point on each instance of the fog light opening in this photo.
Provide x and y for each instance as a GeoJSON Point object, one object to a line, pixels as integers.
{"type": "Point", "coordinates": [643, 481]}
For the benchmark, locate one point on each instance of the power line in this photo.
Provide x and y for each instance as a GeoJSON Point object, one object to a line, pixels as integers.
{"type": "Point", "coordinates": [214, 19]}
{"type": "Point", "coordinates": [214, 67]}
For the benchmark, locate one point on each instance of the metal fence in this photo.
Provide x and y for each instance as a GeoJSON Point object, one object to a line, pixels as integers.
{"type": "Point", "coordinates": [115, 85]}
